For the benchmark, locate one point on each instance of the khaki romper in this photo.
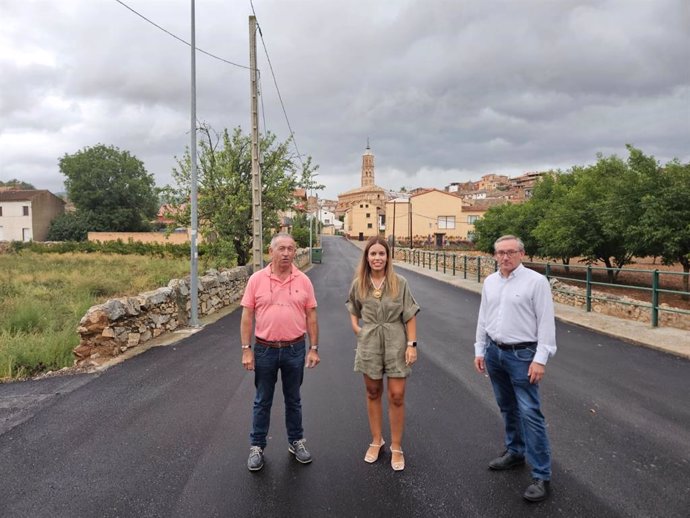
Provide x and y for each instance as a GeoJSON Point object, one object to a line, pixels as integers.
{"type": "Point", "coordinates": [382, 341]}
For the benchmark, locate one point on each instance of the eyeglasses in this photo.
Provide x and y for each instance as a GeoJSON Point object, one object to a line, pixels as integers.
{"type": "Point", "coordinates": [508, 253]}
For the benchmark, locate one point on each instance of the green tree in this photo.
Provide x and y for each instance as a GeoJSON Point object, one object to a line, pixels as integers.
{"type": "Point", "coordinates": [110, 189]}
{"type": "Point", "coordinates": [224, 187]}
{"type": "Point", "coordinates": [665, 223]}
{"type": "Point", "coordinates": [559, 212]}
{"type": "Point", "coordinates": [17, 184]}
{"type": "Point", "coordinates": [515, 219]}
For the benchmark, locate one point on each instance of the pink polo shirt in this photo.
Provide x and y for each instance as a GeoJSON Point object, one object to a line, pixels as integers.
{"type": "Point", "coordinates": [279, 307]}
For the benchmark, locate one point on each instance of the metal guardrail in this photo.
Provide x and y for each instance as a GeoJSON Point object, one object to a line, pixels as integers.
{"type": "Point", "coordinates": [480, 267]}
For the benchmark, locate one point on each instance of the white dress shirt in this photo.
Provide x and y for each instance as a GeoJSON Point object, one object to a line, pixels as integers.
{"type": "Point", "coordinates": [517, 308]}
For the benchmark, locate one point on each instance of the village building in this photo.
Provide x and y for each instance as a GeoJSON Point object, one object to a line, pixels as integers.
{"type": "Point", "coordinates": [364, 208]}
{"type": "Point", "coordinates": [431, 218]}
{"type": "Point", "coordinates": [25, 215]}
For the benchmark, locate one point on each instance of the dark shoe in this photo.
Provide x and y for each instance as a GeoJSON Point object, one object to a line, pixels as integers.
{"type": "Point", "coordinates": [299, 450]}
{"type": "Point", "coordinates": [537, 491]}
{"type": "Point", "coordinates": [507, 461]}
{"type": "Point", "coordinates": [256, 458]}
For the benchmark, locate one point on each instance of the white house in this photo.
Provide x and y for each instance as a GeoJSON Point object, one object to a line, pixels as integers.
{"type": "Point", "coordinates": [25, 215]}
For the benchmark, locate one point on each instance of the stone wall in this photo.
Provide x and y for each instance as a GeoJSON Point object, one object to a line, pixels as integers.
{"type": "Point", "coordinates": [109, 329]}
{"type": "Point", "coordinates": [617, 306]}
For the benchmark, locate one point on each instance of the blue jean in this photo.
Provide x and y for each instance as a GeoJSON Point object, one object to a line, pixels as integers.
{"type": "Point", "coordinates": [267, 362]}
{"type": "Point", "coordinates": [518, 400]}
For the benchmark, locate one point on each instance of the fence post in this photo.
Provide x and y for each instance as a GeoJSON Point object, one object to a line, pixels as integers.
{"type": "Point", "coordinates": [655, 298]}
{"type": "Point", "coordinates": [454, 257]}
{"type": "Point", "coordinates": [588, 290]}
{"type": "Point", "coordinates": [444, 261]}
{"type": "Point", "coordinates": [548, 271]}
{"type": "Point", "coordinates": [495, 265]}
{"type": "Point", "coordinates": [436, 254]}
{"type": "Point", "coordinates": [464, 267]}
{"type": "Point", "coordinates": [479, 268]}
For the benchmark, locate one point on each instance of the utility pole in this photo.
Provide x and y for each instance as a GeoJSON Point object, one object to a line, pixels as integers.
{"type": "Point", "coordinates": [409, 215]}
{"type": "Point", "coordinates": [257, 237]}
{"type": "Point", "coordinates": [194, 290]}
{"type": "Point", "coordinates": [393, 247]}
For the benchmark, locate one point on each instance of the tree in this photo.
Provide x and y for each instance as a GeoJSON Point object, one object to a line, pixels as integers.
{"type": "Point", "coordinates": [110, 189]}
{"type": "Point", "coordinates": [17, 184]}
{"type": "Point", "coordinates": [224, 187]}
{"type": "Point", "coordinates": [559, 213]}
{"type": "Point", "coordinates": [665, 223]}
{"type": "Point", "coordinates": [515, 219]}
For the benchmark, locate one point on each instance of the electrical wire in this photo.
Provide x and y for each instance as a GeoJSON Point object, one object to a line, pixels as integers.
{"type": "Point", "coordinates": [180, 39]}
{"type": "Point", "coordinates": [263, 42]}
{"type": "Point", "coordinates": [275, 82]}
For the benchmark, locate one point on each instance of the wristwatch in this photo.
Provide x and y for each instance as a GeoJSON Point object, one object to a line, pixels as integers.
{"type": "Point", "coordinates": [314, 348]}
{"type": "Point", "coordinates": [246, 346]}
{"type": "Point", "coordinates": [412, 343]}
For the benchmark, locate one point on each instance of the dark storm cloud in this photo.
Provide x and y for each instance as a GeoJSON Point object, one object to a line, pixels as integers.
{"type": "Point", "coordinates": [446, 90]}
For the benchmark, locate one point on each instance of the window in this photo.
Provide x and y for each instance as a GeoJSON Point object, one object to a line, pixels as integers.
{"type": "Point", "coordinates": [368, 215]}
{"type": "Point", "coordinates": [361, 206]}
{"type": "Point", "coordinates": [25, 210]}
{"type": "Point", "coordinates": [368, 225]}
{"type": "Point", "coordinates": [472, 219]}
{"type": "Point", "coordinates": [0, 211]}
{"type": "Point", "coordinates": [446, 222]}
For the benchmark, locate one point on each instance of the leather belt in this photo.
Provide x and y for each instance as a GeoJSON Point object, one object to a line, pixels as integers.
{"type": "Point", "coordinates": [513, 347]}
{"type": "Point", "coordinates": [279, 343]}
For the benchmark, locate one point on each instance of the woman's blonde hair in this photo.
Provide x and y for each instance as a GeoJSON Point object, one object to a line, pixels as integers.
{"type": "Point", "coordinates": [363, 274]}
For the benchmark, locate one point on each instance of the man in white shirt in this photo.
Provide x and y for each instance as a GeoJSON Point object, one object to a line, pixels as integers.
{"type": "Point", "coordinates": [516, 335]}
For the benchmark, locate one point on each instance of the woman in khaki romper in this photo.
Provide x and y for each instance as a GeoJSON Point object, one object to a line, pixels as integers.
{"type": "Point", "coordinates": [386, 342]}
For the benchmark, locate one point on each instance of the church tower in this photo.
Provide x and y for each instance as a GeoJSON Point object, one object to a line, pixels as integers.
{"type": "Point", "coordinates": [367, 167]}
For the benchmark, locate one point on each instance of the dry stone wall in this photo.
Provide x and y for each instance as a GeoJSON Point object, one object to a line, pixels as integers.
{"type": "Point", "coordinates": [617, 306]}
{"type": "Point", "coordinates": [109, 329]}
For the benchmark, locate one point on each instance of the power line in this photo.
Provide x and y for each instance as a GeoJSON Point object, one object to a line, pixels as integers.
{"type": "Point", "coordinates": [275, 82]}
{"type": "Point", "coordinates": [180, 39]}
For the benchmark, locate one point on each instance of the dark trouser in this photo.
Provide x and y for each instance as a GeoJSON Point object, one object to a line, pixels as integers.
{"type": "Point", "coordinates": [267, 362]}
{"type": "Point", "coordinates": [518, 400]}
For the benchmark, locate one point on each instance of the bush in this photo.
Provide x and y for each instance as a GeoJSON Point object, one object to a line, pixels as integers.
{"type": "Point", "coordinates": [68, 227]}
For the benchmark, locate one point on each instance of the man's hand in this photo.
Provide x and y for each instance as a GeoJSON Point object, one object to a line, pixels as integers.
{"type": "Point", "coordinates": [248, 359]}
{"type": "Point", "coordinates": [479, 364]}
{"type": "Point", "coordinates": [312, 358]}
{"type": "Point", "coordinates": [536, 372]}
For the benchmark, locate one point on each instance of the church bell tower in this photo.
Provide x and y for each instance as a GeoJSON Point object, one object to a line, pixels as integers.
{"type": "Point", "coordinates": [367, 167]}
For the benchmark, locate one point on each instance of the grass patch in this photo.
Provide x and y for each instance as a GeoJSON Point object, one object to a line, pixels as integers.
{"type": "Point", "coordinates": [43, 297]}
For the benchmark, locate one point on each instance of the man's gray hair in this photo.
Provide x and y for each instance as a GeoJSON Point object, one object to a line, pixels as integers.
{"type": "Point", "coordinates": [280, 235]}
{"type": "Point", "coordinates": [521, 245]}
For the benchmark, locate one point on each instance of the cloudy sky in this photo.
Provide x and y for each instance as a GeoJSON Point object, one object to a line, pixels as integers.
{"type": "Point", "coordinates": [446, 90]}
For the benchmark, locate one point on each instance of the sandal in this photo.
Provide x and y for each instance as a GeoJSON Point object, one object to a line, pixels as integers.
{"type": "Point", "coordinates": [400, 465]}
{"type": "Point", "coordinates": [373, 452]}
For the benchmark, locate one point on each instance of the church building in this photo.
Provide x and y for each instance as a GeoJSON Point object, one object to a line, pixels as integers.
{"type": "Point", "coordinates": [364, 207]}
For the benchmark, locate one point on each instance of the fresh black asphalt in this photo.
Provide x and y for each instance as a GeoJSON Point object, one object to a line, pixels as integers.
{"type": "Point", "coordinates": [165, 434]}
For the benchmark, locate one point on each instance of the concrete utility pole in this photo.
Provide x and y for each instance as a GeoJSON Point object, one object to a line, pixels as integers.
{"type": "Point", "coordinates": [194, 289]}
{"type": "Point", "coordinates": [257, 236]}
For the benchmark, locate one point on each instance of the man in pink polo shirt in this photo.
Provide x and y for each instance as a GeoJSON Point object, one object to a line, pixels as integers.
{"type": "Point", "coordinates": [279, 300]}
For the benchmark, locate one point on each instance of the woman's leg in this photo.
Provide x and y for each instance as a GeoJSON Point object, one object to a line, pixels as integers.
{"type": "Point", "coordinates": [374, 408]}
{"type": "Point", "coordinates": [396, 414]}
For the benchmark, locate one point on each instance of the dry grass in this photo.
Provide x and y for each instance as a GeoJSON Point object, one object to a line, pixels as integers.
{"type": "Point", "coordinates": [43, 297]}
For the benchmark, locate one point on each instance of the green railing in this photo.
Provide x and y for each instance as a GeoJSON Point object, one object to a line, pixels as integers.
{"type": "Point", "coordinates": [479, 267]}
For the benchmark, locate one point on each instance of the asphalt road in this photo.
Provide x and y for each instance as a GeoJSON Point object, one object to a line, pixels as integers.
{"type": "Point", "coordinates": [165, 434]}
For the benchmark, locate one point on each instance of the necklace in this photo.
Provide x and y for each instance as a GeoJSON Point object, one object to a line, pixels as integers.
{"type": "Point", "coordinates": [378, 290]}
